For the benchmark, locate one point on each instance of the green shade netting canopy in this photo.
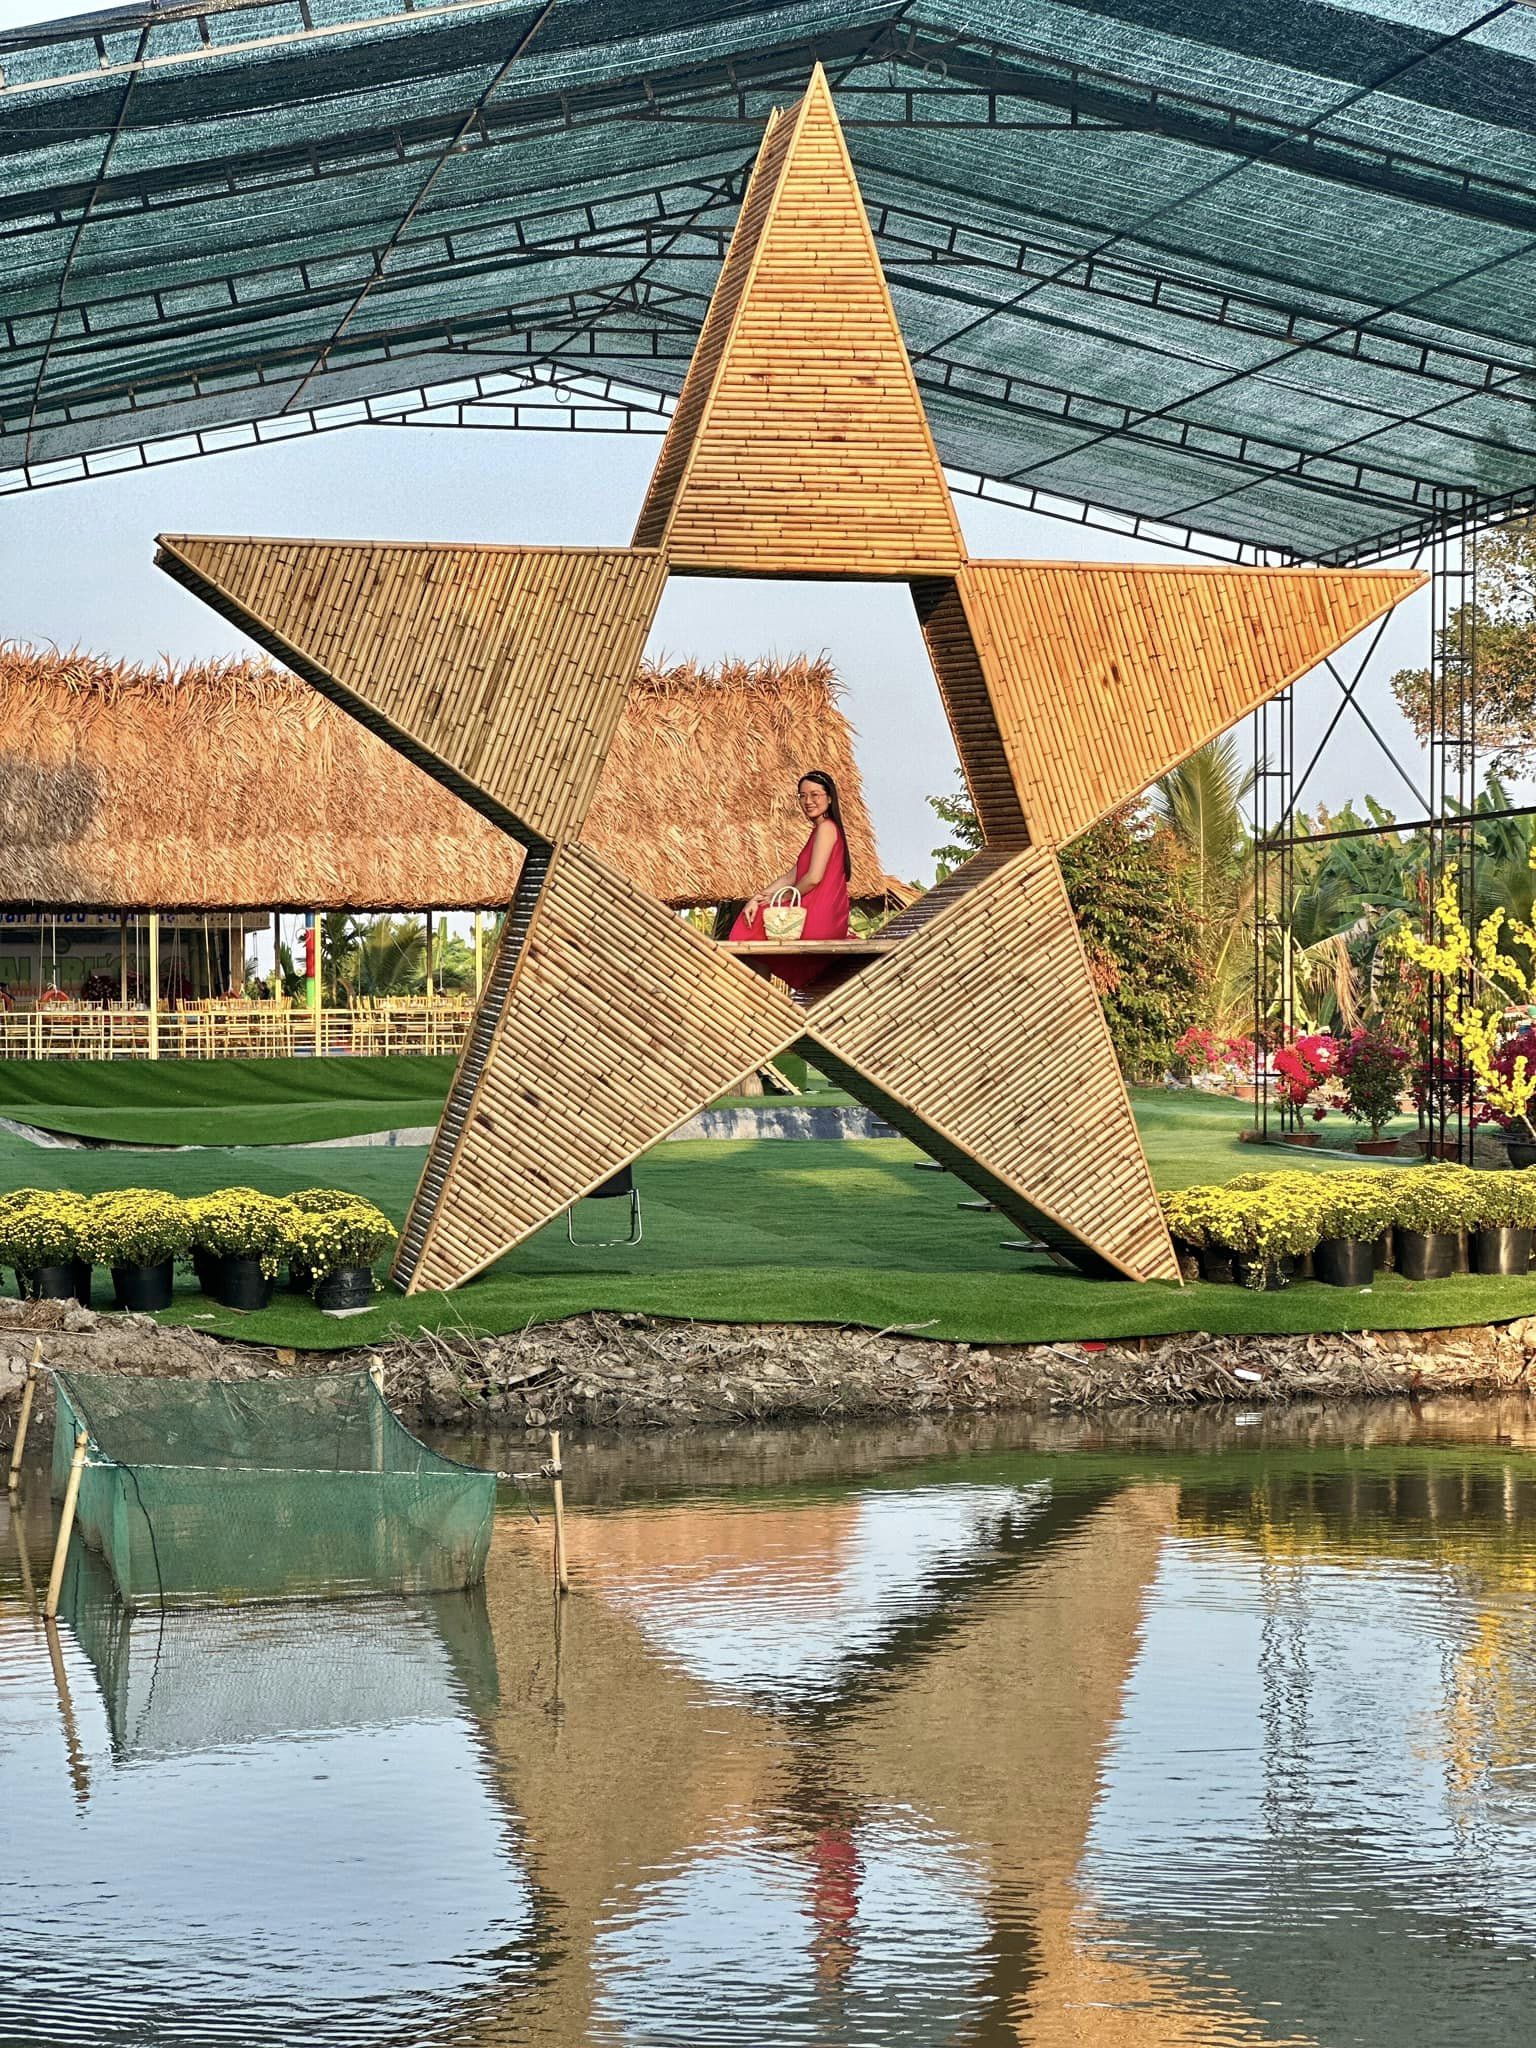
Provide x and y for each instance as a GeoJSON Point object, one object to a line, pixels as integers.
{"type": "Point", "coordinates": [195, 1491]}
{"type": "Point", "coordinates": [1258, 273]}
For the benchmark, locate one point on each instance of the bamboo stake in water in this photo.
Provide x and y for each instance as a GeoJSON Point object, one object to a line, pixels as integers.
{"type": "Point", "coordinates": [78, 1769]}
{"type": "Point", "coordinates": [20, 1445]}
{"type": "Point", "coordinates": [376, 1374]}
{"type": "Point", "coordinates": [562, 1576]}
{"type": "Point", "coordinates": [23, 1557]}
{"type": "Point", "coordinates": [66, 1527]}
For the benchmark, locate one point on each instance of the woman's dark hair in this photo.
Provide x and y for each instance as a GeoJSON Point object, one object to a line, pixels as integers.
{"type": "Point", "coordinates": [824, 781]}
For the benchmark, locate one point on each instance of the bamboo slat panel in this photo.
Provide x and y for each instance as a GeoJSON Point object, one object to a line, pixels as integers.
{"type": "Point", "coordinates": [618, 1022]}
{"type": "Point", "coordinates": [800, 446]}
{"type": "Point", "coordinates": [935, 901]}
{"type": "Point", "coordinates": [957, 669]}
{"type": "Point", "coordinates": [472, 1063]}
{"type": "Point", "coordinates": [1104, 676]}
{"type": "Point", "coordinates": [501, 671]}
{"type": "Point", "coordinates": [982, 1038]}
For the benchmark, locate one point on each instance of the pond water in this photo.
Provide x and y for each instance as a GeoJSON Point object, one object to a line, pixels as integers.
{"type": "Point", "coordinates": [1206, 1731]}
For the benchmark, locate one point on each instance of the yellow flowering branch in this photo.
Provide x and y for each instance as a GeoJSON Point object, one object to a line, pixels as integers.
{"type": "Point", "coordinates": [1499, 982]}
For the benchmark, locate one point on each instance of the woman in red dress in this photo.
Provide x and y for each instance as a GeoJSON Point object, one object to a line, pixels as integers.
{"type": "Point", "coordinates": [820, 874]}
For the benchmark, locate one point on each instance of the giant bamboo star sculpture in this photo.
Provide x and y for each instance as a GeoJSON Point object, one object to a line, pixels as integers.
{"type": "Point", "coordinates": [799, 447]}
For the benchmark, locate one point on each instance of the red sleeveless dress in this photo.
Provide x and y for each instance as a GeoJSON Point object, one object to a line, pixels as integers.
{"type": "Point", "coordinates": [826, 917]}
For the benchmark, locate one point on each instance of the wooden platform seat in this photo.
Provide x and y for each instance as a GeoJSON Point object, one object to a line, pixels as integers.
{"type": "Point", "coordinates": [833, 949]}
{"type": "Point", "coordinates": [840, 958]}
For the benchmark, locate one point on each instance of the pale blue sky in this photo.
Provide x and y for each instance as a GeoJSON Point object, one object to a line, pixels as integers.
{"type": "Point", "coordinates": [78, 571]}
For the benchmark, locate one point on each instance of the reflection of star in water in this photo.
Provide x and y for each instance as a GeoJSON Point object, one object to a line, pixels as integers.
{"type": "Point", "coordinates": [727, 1944]}
{"type": "Point", "coordinates": [798, 447]}
{"type": "Point", "coordinates": [822, 1602]}
{"type": "Point", "coordinates": [835, 1873]}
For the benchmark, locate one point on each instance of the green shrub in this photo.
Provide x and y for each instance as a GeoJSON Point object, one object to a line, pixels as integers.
{"type": "Point", "coordinates": [135, 1227]}
{"type": "Point", "coordinates": [241, 1223]}
{"type": "Point", "coordinates": [1179, 1215]}
{"type": "Point", "coordinates": [1503, 1199]}
{"type": "Point", "coordinates": [327, 1240]}
{"type": "Point", "coordinates": [1289, 1216]}
{"type": "Point", "coordinates": [1371, 1067]}
{"type": "Point", "coordinates": [39, 1228]}
{"type": "Point", "coordinates": [1434, 1198]}
{"type": "Point", "coordinates": [1189, 1211]}
{"type": "Point", "coordinates": [319, 1201]}
{"type": "Point", "coordinates": [13, 1207]}
{"type": "Point", "coordinates": [1277, 1219]}
{"type": "Point", "coordinates": [1360, 1206]}
{"type": "Point", "coordinates": [1267, 1216]}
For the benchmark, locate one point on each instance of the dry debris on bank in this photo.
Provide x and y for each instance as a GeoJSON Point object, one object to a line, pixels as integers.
{"type": "Point", "coordinates": [633, 1372]}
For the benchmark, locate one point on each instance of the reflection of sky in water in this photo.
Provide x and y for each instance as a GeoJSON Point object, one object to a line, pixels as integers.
{"type": "Point", "coordinates": [300, 1884]}
{"type": "Point", "coordinates": [1312, 1821]}
{"type": "Point", "coordinates": [1280, 1801]}
{"type": "Point", "coordinates": [798, 1622]}
{"type": "Point", "coordinates": [713, 1949]}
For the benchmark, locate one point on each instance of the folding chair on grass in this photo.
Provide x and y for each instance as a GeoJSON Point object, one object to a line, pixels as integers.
{"type": "Point", "coordinates": [617, 1187]}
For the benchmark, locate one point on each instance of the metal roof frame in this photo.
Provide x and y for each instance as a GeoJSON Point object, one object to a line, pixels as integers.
{"type": "Point", "coordinates": [1249, 281]}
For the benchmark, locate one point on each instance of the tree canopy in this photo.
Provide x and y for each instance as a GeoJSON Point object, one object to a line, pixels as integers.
{"type": "Point", "coordinates": [1494, 644]}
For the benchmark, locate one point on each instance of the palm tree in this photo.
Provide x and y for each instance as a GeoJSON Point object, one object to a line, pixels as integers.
{"type": "Point", "coordinates": [1351, 896]}
{"type": "Point", "coordinates": [1200, 803]}
{"type": "Point", "coordinates": [387, 957]}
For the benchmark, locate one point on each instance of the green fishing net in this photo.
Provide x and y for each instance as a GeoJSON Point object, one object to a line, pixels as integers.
{"type": "Point", "coordinates": [199, 1492]}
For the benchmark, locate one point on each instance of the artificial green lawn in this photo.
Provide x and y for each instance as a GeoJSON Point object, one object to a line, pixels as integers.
{"type": "Point", "coordinates": [779, 1230]}
{"type": "Point", "coordinates": [224, 1102]}
{"type": "Point", "coordinates": [244, 1102]}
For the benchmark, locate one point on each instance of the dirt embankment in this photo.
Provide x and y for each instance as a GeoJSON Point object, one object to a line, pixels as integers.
{"type": "Point", "coordinates": [631, 1372]}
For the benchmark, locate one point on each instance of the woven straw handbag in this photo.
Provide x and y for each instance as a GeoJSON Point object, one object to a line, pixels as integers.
{"type": "Point", "coordinates": [783, 919]}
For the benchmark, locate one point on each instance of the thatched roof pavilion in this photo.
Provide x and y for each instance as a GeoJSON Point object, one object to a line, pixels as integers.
{"type": "Point", "coordinates": [231, 785]}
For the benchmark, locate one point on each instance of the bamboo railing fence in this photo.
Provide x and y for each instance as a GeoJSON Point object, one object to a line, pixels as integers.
{"type": "Point", "coordinates": [236, 1030]}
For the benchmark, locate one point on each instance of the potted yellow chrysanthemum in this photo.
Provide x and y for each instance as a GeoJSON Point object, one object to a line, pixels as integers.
{"type": "Point", "coordinates": [339, 1246]}
{"type": "Point", "coordinates": [244, 1233]}
{"type": "Point", "coordinates": [139, 1233]}
{"type": "Point", "coordinates": [41, 1236]}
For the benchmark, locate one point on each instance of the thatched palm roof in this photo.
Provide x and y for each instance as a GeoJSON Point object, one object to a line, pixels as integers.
{"type": "Point", "coordinates": [231, 785]}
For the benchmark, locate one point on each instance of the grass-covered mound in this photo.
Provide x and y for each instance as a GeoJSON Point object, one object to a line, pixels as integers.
{"type": "Point", "coordinates": [224, 1102]}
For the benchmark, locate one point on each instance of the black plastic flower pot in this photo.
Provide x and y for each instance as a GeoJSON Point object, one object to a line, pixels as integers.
{"type": "Point", "coordinates": [209, 1268]}
{"type": "Point", "coordinates": [300, 1279]}
{"type": "Point", "coordinates": [1522, 1151]}
{"type": "Point", "coordinates": [347, 1287]}
{"type": "Point", "coordinates": [242, 1285]}
{"type": "Point", "coordinates": [1218, 1265]}
{"type": "Point", "coordinates": [144, 1288]}
{"type": "Point", "coordinates": [1426, 1254]}
{"type": "Point", "coordinates": [1188, 1256]}
{"type": "Point", "coordinates": [1264, 1276]}
{"type": "Point", "coordinates": [58, 1283]}
{"type": "Point", "coordinates": [1344, 1262]}
{"type": "Point", "coordinates": [1505, 1248]}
